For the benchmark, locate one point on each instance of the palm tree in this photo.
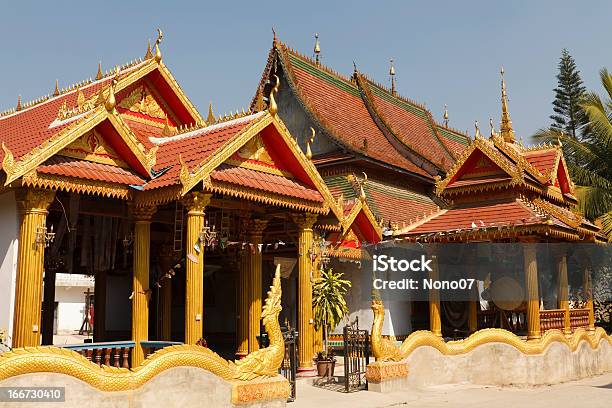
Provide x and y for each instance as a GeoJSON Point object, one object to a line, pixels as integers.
{"type": "Point", "coordinates": [328, 301]}
{"type": "Point", "coordinates": [589, 157]}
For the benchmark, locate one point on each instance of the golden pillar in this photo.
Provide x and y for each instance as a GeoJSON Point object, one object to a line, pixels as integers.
{"type": "Point", "coordinates": [166, 257]}
{"type": "Point", "coordinates": [531, 287]}
{"type": "Point", "coordinates": [194, 285]}
{"type": "Point", "coordinates": [305, 318]}
{"type": "Point", "coordinates": [243, 305]}
{"type": "Point", "coordinates": [30, 263]}
{"type": "Point", "coordinates": [318, 334]}
{"type": "Point", "coordinates": [140, 286]}
{"type": "Point", "coordinates": [563, 292]}
{"type": "Point", "coordinates": [254, 258]}
{"type": "Point", "coordinates": [588, 292]}
{"type": "Point", "coordinates": [435, 320]}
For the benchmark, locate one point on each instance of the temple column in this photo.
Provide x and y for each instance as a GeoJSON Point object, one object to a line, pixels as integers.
{"type": "Point", "coordinates": [318, 334]}
{"type": "Point", "coordinates": [531, 287]}
{"type": "Point", "coordinates": [30, 263]}
{"type": "Point", "coordinates": [254, 259]}
{"type": "Point", "coordinates": [588, 292]}
{"type": "Point", "coordinates": [166, 257]}
{"type": "Point", "coordinates": [563, 292]}
{"type": "Point", "coordinates": [243, 305]}
{"type": "Point", "coordinates": [194, 284]}
{"type": "Point", "coordinates": [305, 319]}
{"type": "Point", "coordinates": [140, 286]}
{"type": "Point", "coordinates": [435, 320]}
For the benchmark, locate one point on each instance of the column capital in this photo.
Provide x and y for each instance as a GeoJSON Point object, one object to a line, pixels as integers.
{"type": "Point", "coordinates": [34, 199]}
{"type": "Point", "coordinates": [256, 227]}
{"type": "Point", "coordinates": [196, 202]}
{"type": "Point", "coordinates": [304, 220]}
{"type": "Point", "coordinates": [143, 212]}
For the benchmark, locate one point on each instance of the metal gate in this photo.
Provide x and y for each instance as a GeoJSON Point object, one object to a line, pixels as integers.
{"type": "Point", "coordinates": [356, 357]}
{"type": "Point", "coordinates": [289, 367]}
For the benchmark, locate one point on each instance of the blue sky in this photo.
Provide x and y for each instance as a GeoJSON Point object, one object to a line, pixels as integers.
{"type": "Point", "coordinates": [445, 52]}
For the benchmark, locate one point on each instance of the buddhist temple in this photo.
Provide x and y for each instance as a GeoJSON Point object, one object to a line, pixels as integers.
{"type": "Point", "coordinates": [184, 221]}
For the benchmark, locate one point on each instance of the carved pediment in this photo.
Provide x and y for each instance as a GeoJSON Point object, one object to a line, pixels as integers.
{"type": "Point", "coordinates": [140, 100]}
{"type": "Point", "coordinates": [92, 147]}
{"type": "Point", "coordinates": [255, 156]}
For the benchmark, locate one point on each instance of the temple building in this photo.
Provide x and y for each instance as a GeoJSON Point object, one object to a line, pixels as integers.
{"type": "Point", "coordinates": [180, 218]}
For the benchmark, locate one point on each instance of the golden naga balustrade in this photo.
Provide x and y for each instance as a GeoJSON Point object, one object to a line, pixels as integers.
{"type": "Point", "coordinates": [263, 363]}
{"type": "Point", "coordinates": [385, 350]}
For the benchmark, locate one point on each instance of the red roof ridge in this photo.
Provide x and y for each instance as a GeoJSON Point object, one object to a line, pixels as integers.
{"type": "Point", "coordinates": [319, 66]}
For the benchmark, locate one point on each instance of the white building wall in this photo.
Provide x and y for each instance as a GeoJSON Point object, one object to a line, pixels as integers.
{"type": "Point", "coordinates": [9, 233]}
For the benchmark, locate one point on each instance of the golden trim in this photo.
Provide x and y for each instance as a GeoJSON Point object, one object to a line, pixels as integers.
{"type": "Point", "coordinates": [76, 185]}
{"type": "Point", "coordinates": [167, 75]}
{"type": "Point", "coordinates": [359, 206]}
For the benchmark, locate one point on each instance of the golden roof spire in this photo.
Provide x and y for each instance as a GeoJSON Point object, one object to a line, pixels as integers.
{"type": "Point", "coordinates": [506, 129]}
{"type": "Point", "coordinates": [392, 74]}
{"type": "Point", "coordinates": [99, 75]}
{"type": "Point", "coordinates": [160, 36]}
{"type": "Point", "coordinates": [477, 130]}
{"type": "Point", "coordinates": [445, 116]}
{"type": "Point", "coordinates": [493, 133]}
{"type": "Point", "coordinates": [317, 48]}
{"type": "Point", "coordinates": [210, 119]}
{"type": "Point", "coordinates": [56, 92]}
{"type": "Point", "coordinates": [149, 53]}
{"type": "Point", "coordinates": [19, 106]}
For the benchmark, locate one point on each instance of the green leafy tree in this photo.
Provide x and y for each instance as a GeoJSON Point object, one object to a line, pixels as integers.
{"type": "Point", "coordinates": [589, 158]}
{"type": "Point", "coordinates": [328, 301]}
{"type": "Point", "coordinates": [568, 115]}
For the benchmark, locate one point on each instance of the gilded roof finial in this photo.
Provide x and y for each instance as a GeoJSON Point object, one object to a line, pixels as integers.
{"type": "Point", "coordinates": [477, 130]}
{"type": "Point", "coordinates": [362, 195]}
{"type": "Point", "coordinates": [506, 129]}
{"type": "Point", "coordinates": [99, 74]}
{"type": "Point", "coordinates": [392, 74]}
{"type": "Point", "coordinates": [111, 101]}
{"type": "Point", "coordinates": [160, 36]}
{"type": "Point", "coordinates": [273, 107]}
{"type": "Point", "coordinates": [273, 36]}
{"type": "Point", "coordinates": [210, 119]}
{"type": "Point", "coordinates": [445, 116]}
{"type": "Point", "coordinates": [493, 133]}
{"type": "Point", "coordinates": [308, 143]}
{"type": "Point", "coordinates": [149, 53]}
{"type": "Point", "coordinates": [56, 92]}
{"type": "Point", "coordinates": [317, 48]}
{"type": "Point", "coordinates": [19, 106]}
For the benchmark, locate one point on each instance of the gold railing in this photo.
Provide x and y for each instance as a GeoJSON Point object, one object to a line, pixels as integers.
{"type": "Point", "coordinates": [579, 318]}
{"type": "Point", "coordinates": [552, 319]}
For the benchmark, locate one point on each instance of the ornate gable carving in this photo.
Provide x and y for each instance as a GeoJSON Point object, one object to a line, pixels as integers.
{"type": "Point", "coordinates": [142, 101]}
{"type": "Point", "coordinates": [92, 147]}
{"type": "Point", "coordinates": [254, 155]}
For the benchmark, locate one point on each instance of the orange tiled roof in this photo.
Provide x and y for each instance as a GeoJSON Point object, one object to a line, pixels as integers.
{"type": "Point", "coordinates": [338, 105]}
{"type": "Point", "coordinates": [543, 160]}
{"type": "Point", "coordinates": [265, 182]}
{"type": "Point", "coordinates": [69, 167]}
{"type": "Point", "coordinates": [194, 147]}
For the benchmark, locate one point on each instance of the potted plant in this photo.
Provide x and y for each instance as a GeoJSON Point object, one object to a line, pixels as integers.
{"type": "Point", "coordinates": [330, 308]}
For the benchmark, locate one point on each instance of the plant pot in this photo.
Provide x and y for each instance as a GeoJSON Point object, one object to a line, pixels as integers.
{"type": "Point", "coordinates": [325, 367]}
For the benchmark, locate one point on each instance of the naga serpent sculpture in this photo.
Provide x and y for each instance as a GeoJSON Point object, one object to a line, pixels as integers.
{"type": "Point", "coordinates": [263, 363]}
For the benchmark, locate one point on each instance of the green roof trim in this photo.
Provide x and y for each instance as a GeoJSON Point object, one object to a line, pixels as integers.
{"type": "Point", "coordinates": [398, 102]}
{"type": "Point", "coordinates": [299, 63]}
{"type": "Point", "coordinates": [449, 134]}
{"type": "Point", "coordinates": [341, 184]}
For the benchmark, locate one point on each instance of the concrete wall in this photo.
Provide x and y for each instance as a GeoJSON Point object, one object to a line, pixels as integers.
{"type": "Point", "coordinates": [183, 387]}
{"type": "Point", "coordinates": [9, 233]}
{"type": "Point", "coordinates": [501, 364]}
